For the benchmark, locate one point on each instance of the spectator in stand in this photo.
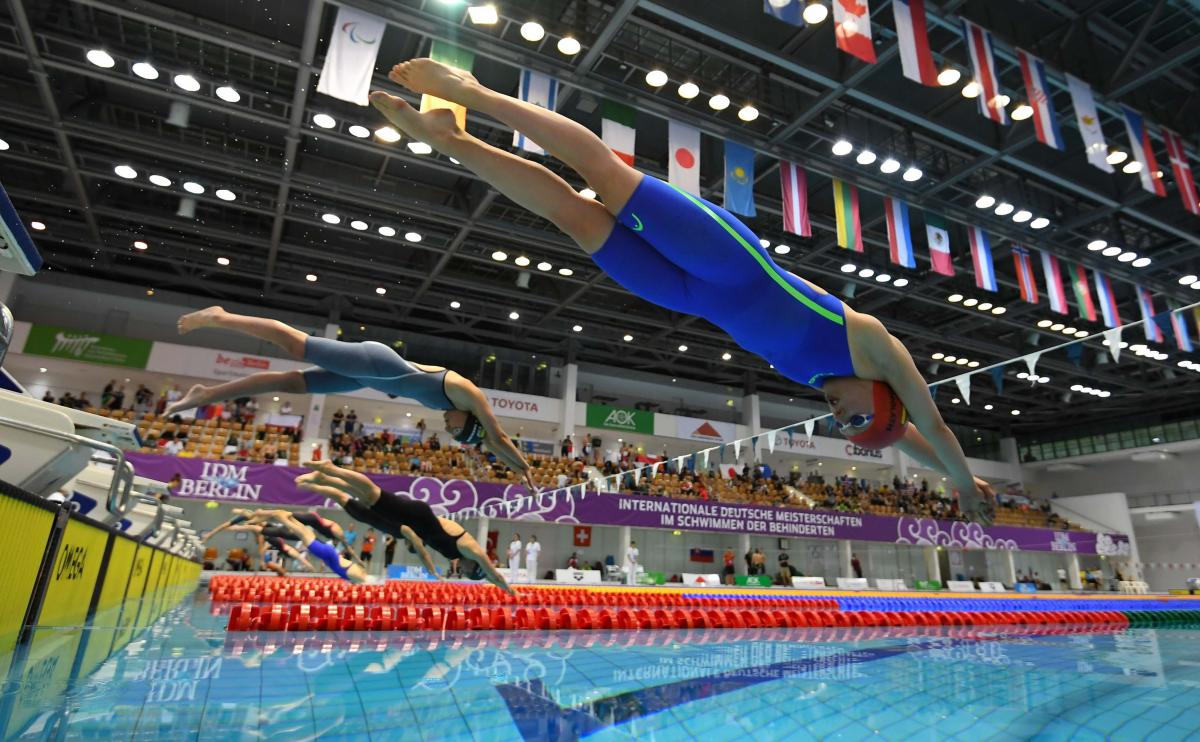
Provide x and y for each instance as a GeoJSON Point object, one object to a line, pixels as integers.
{"type": "Point", "coordinates": [352, 422]}
{"type": "Point", "coordinates": [83, 402]}
{"type": "Point", "coordinates": [434, 443]}
{"type": "Point", "coordinates": [118, 399]}
{"type": "Point", "coordinates": [336, 425]}
{"type": "Point", "coordinates": [421, 430]}
{"type": "Point", "coordinates": [67, 400]}
{"type": "Point", "coordinates": [532, 551]}
{"type": "Point", "coordinates": [566, 447]}
{"type": "Point", "coordinates": [48, 398]}
{"type": "Point", "coordinates": [856, 565]}
{"type": "Point", "coordinates": [351, 537]}
{"type": "Point", "coordinates": [107, 395]}
{"type": "Point", "coordinates": [728, 572]}
{"type": "Point", "coordinates": [174, 447]}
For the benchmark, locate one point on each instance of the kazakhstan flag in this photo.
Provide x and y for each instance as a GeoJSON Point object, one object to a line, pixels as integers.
{"type": "Point", "coordinates": [739, 179]}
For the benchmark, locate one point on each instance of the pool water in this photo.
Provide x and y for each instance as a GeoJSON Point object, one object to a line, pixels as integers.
{"type": "Point", "coordinates": [185, 678]}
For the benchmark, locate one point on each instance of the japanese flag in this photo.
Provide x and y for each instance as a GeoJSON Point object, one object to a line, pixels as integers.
{"type": "Point", "coordinates": [683, 145]}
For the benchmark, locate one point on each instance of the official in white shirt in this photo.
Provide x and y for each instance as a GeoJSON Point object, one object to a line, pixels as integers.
{"type": "Point", "coordinates": [631, 563]}
{"type": "Point", "coordinates": [532, 550]}
{"type": "Point", "coordinates": [514, 557]}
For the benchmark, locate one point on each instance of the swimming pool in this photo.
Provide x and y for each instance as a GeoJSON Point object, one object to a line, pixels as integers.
{"type": "Point", "coordinates": [185, 677]}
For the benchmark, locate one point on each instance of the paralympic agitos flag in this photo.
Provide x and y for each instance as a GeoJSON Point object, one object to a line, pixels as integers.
{"type": "Point", "coordinates": [350, 58]}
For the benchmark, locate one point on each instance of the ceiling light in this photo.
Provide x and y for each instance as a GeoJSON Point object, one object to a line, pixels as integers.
{"type": "Point", "coordinates": [764, 243]}
{"type": "Point", "coordinates": [719, 102]}
{"type": "Point", "coordinates": [187, 82]}
{"type": "Point", "coordinates": [1081, 333]}
{"type": "Point", "coordinates": [358, 224]}
{"type": "Point", "coordinates": [748, 113]}
{"type": "Point", "coordinates": [577, 328]}
{"type": "Point", "coordinates": [889, 166]}
{"type": "Point", "coordinates": [955, 298]}
{"type": "Point", "coordinates": [938, 356]}
{"type": "Point", "coordinates": [145, 70]}
{"type": "Point", "coordinates": [413, 236]}
{"type": "Point", "coordinates": [987, 407]}
{"type": "Point", "coordinates": [1116, 156]}
{"type": "Point", "coordinates": [1022, 216]}
{"type": "Point", "coordinates": [228, 93]}
{"type": "Point", "coordinates": [1022, 112]}
{"type": "Point", "coordinates": [419, 148]}
{"type": "Point", "coordinates": [387, 134]}
{"type": "Point", "coordinates": [961, 362]}
{"type": "Point", "coordinates": [865, 157]}
{"type": "Point", "coordinates": [1096, 245]}
{"type": "Point", "coordinates": [726, 356]}
{"type": "Point", "coordinates": [1127, 257]}
{"type": "Point", "coordinates": [359, 131]}
{"type": "Point", "coordinates": [985, 202]}
{"type": "Point", "coordinates": [950, 359]}
{"type": "Point", "coordinates": [160, 180]}
{"type": "Point", "coordinates": [1111, 251]}
{"type": "Point", "coordinates": [973, 364]}
{"type": "Point", "coordinates": [380, 290]}
{"type": "Point", "coordinates": [1106, 394]}
{"type": "Point", "coordinates": [1004, 208]}
{"type": "Point", "coordinates": [331, 218]}
{"type": "Point", "coordinates": [1141, 262]}
{"type": "Point", "coordinates": [1001, 100]}
{"type": "Point", "coordinates": [1132, 166]}
{"type": "Point", "coordinates": [140, 245]}
{"type": "Point", "coordinates": [1056, 327]}
{"type": "Point", "coordinates": [125, 171]}
{"type": "Point", "coordinates": [628, 338]}
{"type": "Point", "coordinates": [1188, 280]}
{"type": "Point", "coordinates": [851, 267]}
{"type": "Point", "coordinates": [948, 76]}
{"type": "Point", "coordinates": [815, 12]}
{"type": "Point", "coordinates": [225, 194]}
{"type": "Point", "coordinates": [222, 261]}
{"type": "Point", "coordinates": [866, 272]}
{"type": "Point", "coordinates": [565, 272]}
{"type": "Point", "coordinates": [912, 174]}
{"type": "Point", "coordinates": [514, 316]}
{"type": "Point", "coordinates": [568, 45]}
{"type": "Point", "coordinates": [984, 306]}
{"type": "Point", "coordinates": [683, 349]}
{"type": "Point", "coordinates": [900, 283]}
{"type": "Point", "coordinates": [455, 305]}
{"type": "Point", "coordinates": [956, 400]}
{"type": "Point", "coordinates": [1068, 330]}
{"type": "Point", "coordinates": [588, 193]}
{"type": "Point", "coordinates": [883, 278]}
{"type": "Point", "coordinates": [656, 78]}
{"type": "Point", "coordinates": [311, 277]}
{"type": "Point", "coordinates": [499, 256]}
{"type": "Point", "coordinates": [782, 249]}
{"type": "Point", "coordinates": [1044, 323]}
{"type": "Point", "coordinates": [101, 58]}
{"type": "Point", "coordinates": [842, 147]}
{"type": "Point", "coordinates": [971, 90]}
{"type": "Point", "coordinates": [688, 90]}
{"type": "Point", "coordinates": [1016, 412]}
{"type": "Point", "coordinates": [3, 145]}
{"type": "Point", "coordinates": [999, 310]}
{"type": "Point", "coordinates": [970, 302]}
{"type": "Point", "coordinates": [544, 266]}
{"type": "Point", "coordinates": [1040, 223]}
{"type": "Point", "coordinates": [387, 231]}
{"type": "Point", "coordinates": [532, 31]}
{"type": "Point", "coordinates": [521, 260]}
{"type": "Point", "coordinates": [37, 226]}
{"type": "Point", "coordinates": [483, 15]}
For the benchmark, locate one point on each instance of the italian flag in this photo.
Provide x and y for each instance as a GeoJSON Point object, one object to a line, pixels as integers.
{"type": "Point", "coordinates": [616, 129]}
{"type": "Point", "coordinates": [849, 227]}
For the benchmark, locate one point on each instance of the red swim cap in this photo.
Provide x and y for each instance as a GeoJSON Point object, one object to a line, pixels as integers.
{"type": "Point", "coordinates": [889, 423]}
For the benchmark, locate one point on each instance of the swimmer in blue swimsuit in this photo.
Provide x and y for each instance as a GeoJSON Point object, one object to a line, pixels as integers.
{"type": "Point", "coordinates": [340, 566]}
{"type": "Point", "coordinates": [245, 519]}
{"type": "Point", "coordinates": [345, 367]}
{"type": "Point", "coordinates": [691, 256]}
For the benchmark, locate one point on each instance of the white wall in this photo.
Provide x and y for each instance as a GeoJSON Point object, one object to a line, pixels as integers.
{"type": "Point", "coordinates": [1120, 472]}
{"type": "Point", "coordinates": [1168, 541]}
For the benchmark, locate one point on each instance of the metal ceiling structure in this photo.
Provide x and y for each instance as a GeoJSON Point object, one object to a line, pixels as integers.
{"type": "Point", "coordinates": [68, 123]}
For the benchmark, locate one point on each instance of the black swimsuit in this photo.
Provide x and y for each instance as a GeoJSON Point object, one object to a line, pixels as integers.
{"type": "Point", "coordinates": [277, 537]}
{"type": "Point", "coordinates": [317, 523]}
{"type": "Point", "coordinates": [392, 511]}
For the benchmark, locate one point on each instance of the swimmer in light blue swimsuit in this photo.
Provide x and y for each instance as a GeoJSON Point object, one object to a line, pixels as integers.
{"type": "Point", "coordinates": [681, 252]}
{"type": "Point", "coordinates": [340, 367]}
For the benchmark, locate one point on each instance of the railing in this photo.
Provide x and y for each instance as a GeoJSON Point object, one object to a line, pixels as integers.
{"type": "Point", "coordinates": [1082, 445]}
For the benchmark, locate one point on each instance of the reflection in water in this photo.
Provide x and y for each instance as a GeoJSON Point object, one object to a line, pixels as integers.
{"type": "Point", "coordinates": [186, 674]}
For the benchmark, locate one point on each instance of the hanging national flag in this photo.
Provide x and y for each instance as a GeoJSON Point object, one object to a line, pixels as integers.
{"type": "Point", "coordinates": [939, 244]}
{"type": "Point", "coordinates": [852, 27]}
{"type": "Point", "coordinates": [1025, 278]}
{"type": "Point", "coordinates": [1183, 170]}
{"type": "Point", "coordinates": [1143, 152]}
{"type": "Point", "coordinates": [1037, 90]}
{"type": "Point", "coordinates": [456, 57]}
{"type": "Point", "coordinates": [350, 58]}
{"type": "Point", "coordinates": [794, 183]}
{"type": "Point", "coordinates": [542, 91]}
{"type": "Point", "coordinates": [617, 122]}
{"type": "Point", "coordinates": [845, 208]}
{"type": "Point", "coordinates": [1054, 285]}
{"type": "Point", "coordinates": [899, 232]}
{"type": "Point", "coordinates": [1083, 293]}
{"type": "Point", "coordinates": [913, 36]}
{"type": "Point", "coordinates": [998, 379]}
{"type": "Point", "coordinates": [983, 62]}
{"type": "Point", "coordinates": [1146, 304]}
{"type": "Point", "coordinates": [1108, 300]}
{"type": "Point", "coordinates": [683, 170]}
{"type": "Point", "coordinates": [981, 256]}
{"type": "Point", "coordinates": [788, 11]}
{"type": "Point", "coordinates": [1183, 339]}
{"type": "Point", "coordinates": [1088, 120]}
{"type": "Point", "coordinates": [739, 179]}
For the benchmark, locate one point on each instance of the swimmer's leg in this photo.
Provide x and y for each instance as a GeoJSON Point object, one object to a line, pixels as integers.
{"type": "Point", "coordinates": [566, 140]}
{"type": "Point", "coordinates": [299, 557]}
{"type": "Point", "coordinates": [273, 331]}
{"type": "Point", "coordinates": [289, 382]}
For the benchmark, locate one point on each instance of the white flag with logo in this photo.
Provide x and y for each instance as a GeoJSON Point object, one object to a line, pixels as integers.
{"type": "Point", "coordinates": [1088, 120]}
{"type": "Point", "coordinates": [540, 90]}
{"type": "Point", "coordinates": [683, 143]}
{"type": "Point", "coordinates": [350, 58]}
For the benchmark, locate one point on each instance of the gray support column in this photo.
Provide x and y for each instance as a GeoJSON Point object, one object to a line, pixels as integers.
{"type": "Point", "coordinates": [1073, 572]}
{"type": "Point", "coordinates": [932, 565]}
{"type": "Point", "coordinates": [1011, 561]}
{"type": "Point", "coordinates": [845, 557]}
{"type": "Point", "coordinates": [566, 420]}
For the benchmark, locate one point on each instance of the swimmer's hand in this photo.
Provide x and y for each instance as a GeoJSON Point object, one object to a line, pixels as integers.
{"type": "Point", "coordinates": [533, 489]}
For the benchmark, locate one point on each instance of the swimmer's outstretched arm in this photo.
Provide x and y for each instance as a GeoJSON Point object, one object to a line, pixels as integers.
{"type": "Point", "coordinates": [471, 549]}
{"type": "Point", "coordinates": [466, 396]}
{"type": "Point", "coordinates": [422, 552]}
{"type": "Point", "coordinates": [239, 514]}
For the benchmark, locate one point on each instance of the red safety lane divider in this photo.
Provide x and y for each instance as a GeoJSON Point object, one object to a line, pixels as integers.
{"type": "Point", "coordinates": [325, 617]}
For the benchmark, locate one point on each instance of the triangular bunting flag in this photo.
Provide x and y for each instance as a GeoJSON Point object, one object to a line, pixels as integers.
{"type": "Point", "coordinates": [737, 450]}
{"type": "Point", "coordinates": [1031, 363]}
{"type": "Point", "coordinates": [964, 387]}
{"type": "Point", "coordinates": [1113, 340]}
{"type": "Point", "coordinates": [704, 460]}
{"type": "Point", "coordinates": [771, 441]}
{"type": "Point", "coordinates": [998, 379]}
{"type": "Point", "coordinates": [808, 428]}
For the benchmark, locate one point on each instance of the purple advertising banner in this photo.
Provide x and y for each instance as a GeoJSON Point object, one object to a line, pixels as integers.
{"type": "Point", "coordinates": [261, 484]}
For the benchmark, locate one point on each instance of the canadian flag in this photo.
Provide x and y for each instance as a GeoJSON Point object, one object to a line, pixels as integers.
{"type": "Point", "coordinates": [852, 26]}
{"type": "Point", "coordinates": [583, 535]}
{"type": "Point", "coordinates": [683, 144]}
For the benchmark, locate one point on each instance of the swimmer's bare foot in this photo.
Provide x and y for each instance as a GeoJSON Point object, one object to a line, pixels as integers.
{"type": "Point", "coordinates": [427, 76]}
{"type": "Point", "coordinates": [437, 128]}
{"type": "Point", "coordinates": [195, 397]}
{"type": "Point", "coordinates": [210, 317]}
